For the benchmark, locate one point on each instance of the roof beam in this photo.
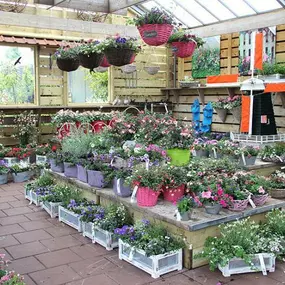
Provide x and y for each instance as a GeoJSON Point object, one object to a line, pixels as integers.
{"type": "Point", "coordinates": [69, 25]}
{"type": "Point", "coordinates": [263, 20]}
{"type": "Point", "coordinates": [115, 5]}
{"type": "Point", "coordinates": [86, 5]}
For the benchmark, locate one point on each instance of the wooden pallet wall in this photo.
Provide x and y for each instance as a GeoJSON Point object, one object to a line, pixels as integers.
{"type": "Point", "coordinates": [229, 65]}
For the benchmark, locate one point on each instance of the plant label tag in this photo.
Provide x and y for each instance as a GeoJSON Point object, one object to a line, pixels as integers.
{"type": "Point", "coordinates": [194, 152]}
{"type": "Point", "coordinates": [243, 159]}
{"type": "Point", "coordinates": [150, 34]}
{"type": "Point", "coordinates": [166, 109]}
{"type": "Point", "coordinates": [119, 186]}
{"type": "Point", "coordinates": [215, 153]}
{"type": "Point", "coordinates": [178, 216]}
{"type": "Point", "coordinates": [262, 264]}
{"type": "Point", "coordinates": [133, 197]}
{"type": "Point", "coordinates": [251, 202]}
{"type": "Point", "coordinates": [112, 161]}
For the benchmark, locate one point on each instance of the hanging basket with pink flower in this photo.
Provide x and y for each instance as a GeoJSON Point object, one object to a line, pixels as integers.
{"type": "Point", "coordinates": [183, 44]}
{"type": "Point", "coordinates": [155, 26]}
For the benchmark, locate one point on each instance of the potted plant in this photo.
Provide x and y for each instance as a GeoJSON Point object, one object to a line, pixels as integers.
{"type": "Point", "coordinates": [214, 199]}
{"type": "Point", "coordinates": [238, 247]}
{"type": "Point", "coordinates": [248, 155]}
{"type": "Point", "coordinates": [22, 172]}
{"type": "Point", "coordinates": [274, 153]}
{"type": "Point", "coordinates": [149, 183]}
{"type": "Point", "coordinates": [120, 187]}
{"type": "Point", "coordinates": [67, 58]}
{"type": "Point", "coordinates": [119, 51]}
{"type": "Point", "coordinates": [271, 71]}
{"type": "Point", "coordinates": [275, 223]}
{"type": "Point", "coordinates": [4, 170]}
{"type": "Point", "coordinates": [199, 148]}
{"type": "Point", "coordinates": [185, 206]}
{"type": "Point", "coordinates": [154, 26]}
{"type": "Point", "coordinates": [105, 223]}
{"type": "Point", "coordinates": [82, 170]}
{"type": "Point", "coordinates": [174, 181]}
{"type": "Point", "coordinates": [55, 158]}
{"type": "Point", "coordinates": [233, 104]}
{"type": "Point", "coordinates": [277, 184]}
{"type": "Point", "coordinates": [89, 56]}
{"type": "Point", "coordinates": [41, 153]}
{"type": "Point", "coordinates": [150, 248]}
{"type": "Point", "coordinates": [11, 155]}
{"type": "Point", "coordinates": [219, 107]}
{"type": "Point", "coordinates": [69, 163]}
{"type": "Point", "coordinates": [183, 44]}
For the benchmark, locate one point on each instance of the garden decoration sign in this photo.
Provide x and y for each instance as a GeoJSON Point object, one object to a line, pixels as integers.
{"type": "Point", "coordinates": [206, 59]}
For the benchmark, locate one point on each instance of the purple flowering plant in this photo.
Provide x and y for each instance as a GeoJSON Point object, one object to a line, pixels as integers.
{"type": "Point", "coordinates": [3, 167]}
{"type": "Point", "coordinates": [91, 47]}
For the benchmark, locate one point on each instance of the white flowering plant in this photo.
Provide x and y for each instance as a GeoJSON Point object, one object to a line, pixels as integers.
{"type": "Point", "coordinates": [240, 239]}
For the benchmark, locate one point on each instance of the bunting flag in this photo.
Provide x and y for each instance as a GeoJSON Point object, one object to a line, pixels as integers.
{"type": "Point", "coordinates": [245, 113]}
{"type": "Point", "coordinates": [258, 52]}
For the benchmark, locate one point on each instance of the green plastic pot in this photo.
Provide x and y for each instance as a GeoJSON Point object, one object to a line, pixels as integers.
{"type": "Point", "coordinates": [179, 157]}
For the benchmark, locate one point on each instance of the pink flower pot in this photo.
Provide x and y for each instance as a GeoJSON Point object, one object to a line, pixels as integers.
{"type": "Point", "coordinates": [173, 194]}
{"type": "Point", "coordinates": [147, 197]}
{"type": "Point", "coordinates": [238, 205]}
{"type": "Point", "coordinates": [260, 200]}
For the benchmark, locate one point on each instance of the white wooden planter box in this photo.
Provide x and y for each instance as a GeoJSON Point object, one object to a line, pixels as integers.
{"type": "Point", "coordinates": [87, 230]}
{"type": "Point", "coordinates": [69, 218]}
{"type": "Point", "coordinates": [237, 265]}
{"type": "Point", "coordinates": [26, 160]}
{"type": "Point", "coordinates": [51, 208]}
{"type": "Point", "coordinates": [105, 238]}
{"type": "Point", "coordinates": [41, 159]}
{"type": "Point", "coordinates": [10, 161]}
{"type": "Point", "coordinates": [28, 194]}
{"type": "Point", "coordinates": [36, 199]}
{"type": "Point", "coordinates": [155, 265]}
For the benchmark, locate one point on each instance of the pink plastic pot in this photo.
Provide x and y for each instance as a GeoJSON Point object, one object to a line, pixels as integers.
{"type": "Point", "coordinates": [173, 194]}
{"type": "Point", "coordinates": [146, 197]}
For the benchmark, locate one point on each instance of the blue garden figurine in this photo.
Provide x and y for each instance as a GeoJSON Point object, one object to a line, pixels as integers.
{"type": "Point", "coordinates": [207, 118]}
{"type": "Point", "coordinates": [196, 114]}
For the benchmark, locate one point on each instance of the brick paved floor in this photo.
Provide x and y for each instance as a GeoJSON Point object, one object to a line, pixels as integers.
{"type": "Point", "coordinates": [51, 253]}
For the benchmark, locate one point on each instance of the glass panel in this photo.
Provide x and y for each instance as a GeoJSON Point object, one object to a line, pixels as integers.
{"type": "Point", "coordinates": [186, 18]}
{"type": "Point", "coordinates": [263, 6]}
{"type": "Point", "coordinates": [239, 7]}
{"type": "Point", "coordinates": [217, 9]}
{"type": "Point", "coordinates": [17, 75]}
{"type": "Point", "coordinates": [86, 87]}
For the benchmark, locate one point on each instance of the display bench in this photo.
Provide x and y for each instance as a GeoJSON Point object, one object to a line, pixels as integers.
{"type": "Point", "coordinates": [194, 231]}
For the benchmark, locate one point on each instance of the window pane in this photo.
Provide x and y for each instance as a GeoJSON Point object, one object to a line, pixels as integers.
{"type": "Point", "coordinates": [263, 6]}
{"type": "Point", "coordinates": [17, 75]}
{"type": "Point", "coordinates": [86, 87]}
{"type": "Point", "coordinates": [239, 7]}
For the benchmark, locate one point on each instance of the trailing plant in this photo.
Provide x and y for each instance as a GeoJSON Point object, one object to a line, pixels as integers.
{"type": "Point", "coordinates": [118, 42]}
{"type": "Point", "coordinates": [153, 239]}
{"type": "Point", "coordinates": [184, 36]}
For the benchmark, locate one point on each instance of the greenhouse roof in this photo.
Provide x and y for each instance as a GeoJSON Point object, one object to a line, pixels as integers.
{"type": "Point", "coordinates": [198, 13]}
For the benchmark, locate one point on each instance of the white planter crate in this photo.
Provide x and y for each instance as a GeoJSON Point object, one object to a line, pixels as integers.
{"type": "Point", "coordinates": [69, 218]}
{"type": "Point", "coordinates": [41, 159]}
{"type": "Point", "coordinates": [237, 265]}
{"type": "Point", "coordinates": [51, 208]}
{"type": "Point", "coordinates": [105, 238]}
{"type": "Point", "coordinates": [155, 265]}
{"type": "Point", "coordinates": [35, 198]}
{"type": "Point", "coordinates": [10, 161]}
{"type": "Point", "coordinates": [28, 194]}
{"type": "Point", "coordinates": [87, 230]}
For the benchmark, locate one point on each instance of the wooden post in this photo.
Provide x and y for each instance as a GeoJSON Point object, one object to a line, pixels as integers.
{"type": "Point", "coordinates": [229, 54]}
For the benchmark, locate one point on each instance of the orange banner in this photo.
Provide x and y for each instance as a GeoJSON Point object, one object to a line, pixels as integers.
{"type": "Point", "coordinates": [226, 78]}
{"type": "Point", "coordinates": [274, 87]}
{"type": "Point", "coordinates": [245, 113]}
{"type": "Point", "coordinates": [258, 51]}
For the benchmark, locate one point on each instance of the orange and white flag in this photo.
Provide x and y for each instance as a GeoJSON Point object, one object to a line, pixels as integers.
{"type": "Point", "coordinates": [257, 51]}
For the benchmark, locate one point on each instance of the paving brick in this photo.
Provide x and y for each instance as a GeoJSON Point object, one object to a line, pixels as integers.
{"type": "Point", "coordinates": [59, 257]}
{"type": "Point", "coordinates": [19, 197]}
{"type": "Point", "coordinates": [32, 236]}
{"type": "Point", "coordinates": [89, 250]}
{"type": "Point", "coordinates": [21, 203]}
{"type": "Point", "coordinates": [26, 265]}
{"type": "Point", "coordinates": [279, 273]}
{"type": "Point", "coordinates": [35, 225]}
{"type": "Point", "coordinates": [10, 193]}
{"type": "Point", "coordinates": [177, 280]}
{"type": "Point", "coordinates": [13, 220]}
{"type": "Point", "coordinates": [61, 230]}
{"type": "Point", "coordinates": [34, 216]}
{"type": "Point", "coordinates": [261, 280]}
{"type": "Point", "coordinates": [10, 229]}
{"type": "Point", "coordinates": [60, 242]}
{"type": "Point", "coordinates": [7, 255]}
{"type": "Point", "coordinates": [28, 280]}
{"type": "Point", "coordinates": [2, 214]}
{"type": "Point", "coordinates": [7, 240]}
{"type": "Point", "coordinates": [13, 186]}
{"type": "Point", "coordinates": [7, 199]}
{"type": "Point", "coordinates": [26, 249]}
{"type": "Point", "coordinates": [55, 276]}
{"type": "Point", "coordinates": [4, 206]}
{"type": "Point", "coordinates": [81, 238]}
{"type": "Point", "coordinates": [94, 266]}
{"type": "Point", "coordinates": [17, 211]}
{"type": "Point", "coordinates": [99, 279]}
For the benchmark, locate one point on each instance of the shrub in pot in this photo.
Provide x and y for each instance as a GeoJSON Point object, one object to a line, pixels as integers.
{"type": "Point", "coordinates": [67, 58]}
{"type": "Point", "coordinates": [55, 158]}
{"type": "Point", "coordinates": [4, 170]}
{"type": "Point", "coordinates": [185, 206]}
{"type": "Point", "coordinates": [149, 183]}
{"type": "Point", "coordinates": [22, 171]}
{"type": "Point", "coordinates": [154, 26]}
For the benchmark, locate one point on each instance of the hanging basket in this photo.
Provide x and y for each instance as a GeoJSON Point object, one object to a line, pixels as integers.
{"type": "Point", "coordinates": [90, 61]}
{"type": "Point", "coordinates": [119, 57]}
{"type": "Point", "coordinates": [104, 62]}
{"type": "Point", "coordinates": [152, 70]}
{"type": "Point", "coordinates": [67, 64]}
{"type": "Point", "coordinates": [101, 69]}
{"type": "Point", "coordinates": [128, 69]}
{"type": "Point", "coordinates": [155, 34]}
{"type": "Point", "coordinates": [236, 113]}
{"type": "Point", "coordinates": [183, 49]}
{"type": "Point", "coordinates": [222, 113]}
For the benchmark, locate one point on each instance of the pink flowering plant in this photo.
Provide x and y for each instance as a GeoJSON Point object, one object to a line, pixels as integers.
{"type": "Point", "coordinates": [227, 103]}
{"type": "Point", "coordinates": [249, 151]}
{"type": "Point", "coordinates": [67, 51]}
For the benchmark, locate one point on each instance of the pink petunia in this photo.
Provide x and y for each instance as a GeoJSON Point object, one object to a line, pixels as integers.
{"type": "Point", "coordinates": [206, 194]}
{"type": "Point", "coordinates": [261, 190]}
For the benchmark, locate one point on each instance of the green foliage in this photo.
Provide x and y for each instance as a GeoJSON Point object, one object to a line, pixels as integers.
{"type": "Point", "coordinates": [182, 36]}
{"type": "Point", "coordinates": [185, 204]}
{"type": "Point", "coordinates": [98, 83]}
{"type": "Point", "coordinates": [275, 221]}
{"type": "Point", "coordinates": [272, 68]}
{"type": "Point", "coordinates": [174, 176]}
{"type": "Point", "coordinates": [205, 62]}
{"type": "Point", "coordinates": [67, 52]}
{"type": "Point", "coordinates": [44, 180]}
{"type": "Point", "coordinates": [89, 48]}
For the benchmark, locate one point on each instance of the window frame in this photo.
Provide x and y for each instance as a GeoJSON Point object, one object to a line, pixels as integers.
{"type": "Point", "coordinates": [36, 69]}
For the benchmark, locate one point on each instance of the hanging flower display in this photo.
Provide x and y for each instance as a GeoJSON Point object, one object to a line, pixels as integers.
{"type": "Point", "coordinates": [67, 58]}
